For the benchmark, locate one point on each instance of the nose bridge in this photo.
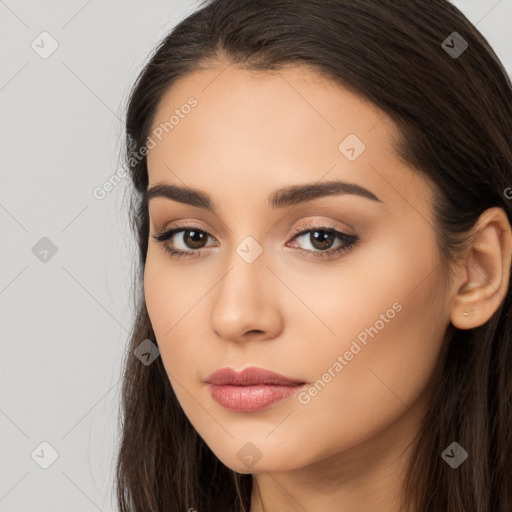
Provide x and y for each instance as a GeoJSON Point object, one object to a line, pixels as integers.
{"type": "Point", "coordinates": [245, 298]}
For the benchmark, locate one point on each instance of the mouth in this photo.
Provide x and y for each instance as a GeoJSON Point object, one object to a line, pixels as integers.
{"type": "Point", "coordinates": [250, 390]}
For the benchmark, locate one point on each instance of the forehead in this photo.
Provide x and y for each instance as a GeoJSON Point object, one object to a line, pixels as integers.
{"type": "Point", "coordinates": [257, 131]}
{"type": "Point", "coordinates": [261, 104]}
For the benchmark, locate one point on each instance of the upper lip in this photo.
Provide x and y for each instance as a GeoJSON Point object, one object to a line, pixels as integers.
{"type": "Point", "coordinates": [249, 376]}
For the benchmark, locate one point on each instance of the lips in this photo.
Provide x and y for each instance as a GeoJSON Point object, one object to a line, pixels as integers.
{"type": "Point", "coordinates": [250, 390]}
{"type": "Point", "coordinates": [249, 377]}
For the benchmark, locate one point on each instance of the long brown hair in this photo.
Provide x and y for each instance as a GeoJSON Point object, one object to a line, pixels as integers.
{"type": "Point", "coordinates": [454, 113]}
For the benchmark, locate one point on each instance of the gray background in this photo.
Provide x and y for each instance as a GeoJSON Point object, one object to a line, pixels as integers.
{"type": "Point", "coordinates": [64, 321]}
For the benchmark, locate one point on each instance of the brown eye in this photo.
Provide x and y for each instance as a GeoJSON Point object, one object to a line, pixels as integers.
{"type": "Point", "coordinates": [194, 239]}
{"type": "Point", "coordinates": [321, 239]}
{"type": "Point", "coordinates": [183, 240]}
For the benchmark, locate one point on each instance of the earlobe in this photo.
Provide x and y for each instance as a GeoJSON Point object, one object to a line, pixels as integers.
{"type": "Point", "coordinates": [486, 271]}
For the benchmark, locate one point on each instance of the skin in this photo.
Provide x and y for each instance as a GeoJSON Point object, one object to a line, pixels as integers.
{"type": "Point", "coordinates": [251, 134]}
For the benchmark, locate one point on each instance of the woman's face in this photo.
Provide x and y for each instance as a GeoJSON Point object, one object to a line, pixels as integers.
{"type": "Point", "coordinates": [360, 320]}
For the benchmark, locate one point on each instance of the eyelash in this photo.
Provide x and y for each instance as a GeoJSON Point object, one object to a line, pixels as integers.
{"type": "Point", "coordinates": [349, 240]}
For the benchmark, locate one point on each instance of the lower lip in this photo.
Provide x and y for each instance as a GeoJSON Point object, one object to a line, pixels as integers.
{"type": "Point", "coordinates": [251, 398]}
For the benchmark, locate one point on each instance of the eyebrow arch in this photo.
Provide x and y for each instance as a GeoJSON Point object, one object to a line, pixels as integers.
{"type": "Point", "coordinates": [286, 196]}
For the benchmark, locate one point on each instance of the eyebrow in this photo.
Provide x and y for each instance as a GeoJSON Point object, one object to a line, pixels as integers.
{"type": "Point", "coordinates": [286, 196]}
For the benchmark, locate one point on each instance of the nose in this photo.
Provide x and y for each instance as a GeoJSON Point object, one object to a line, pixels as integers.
{"type": "Point", "coordinates": [246, 301]}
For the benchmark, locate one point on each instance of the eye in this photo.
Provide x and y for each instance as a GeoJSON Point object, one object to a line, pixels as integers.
{"type": "Point", "coordinates": [190, 237]}
{"type": "Point", "coordinates": [320, 238]}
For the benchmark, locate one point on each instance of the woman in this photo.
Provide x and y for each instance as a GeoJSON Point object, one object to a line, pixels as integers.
{"type": "Point", "coordinates": [325, 249]}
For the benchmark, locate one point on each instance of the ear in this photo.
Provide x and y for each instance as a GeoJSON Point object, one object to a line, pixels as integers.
{"type": "Point", "coordinates": [482, 280]}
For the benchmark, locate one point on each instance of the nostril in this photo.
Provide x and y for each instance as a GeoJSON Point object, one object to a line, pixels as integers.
{"type": "Point", "coordinates": [254, 332]}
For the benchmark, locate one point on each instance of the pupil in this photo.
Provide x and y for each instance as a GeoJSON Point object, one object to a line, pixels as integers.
{"type": "Point", "coordinates": [196, 238]}
{"type": "Point", "coordinates": [324, 241]}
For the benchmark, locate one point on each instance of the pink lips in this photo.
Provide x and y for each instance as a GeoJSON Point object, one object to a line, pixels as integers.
{"type": "Point", "coordinates": [252, 389]}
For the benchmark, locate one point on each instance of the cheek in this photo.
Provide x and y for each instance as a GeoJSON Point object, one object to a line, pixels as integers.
{"type": "Point", "coordinates": [170, 293]}
{"type": "Point", "coordinates": [388, 335]}
{"type": "Point", "coordinates": [175, 301]}
{"type": "Point", "coordinates": [167, 302]}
